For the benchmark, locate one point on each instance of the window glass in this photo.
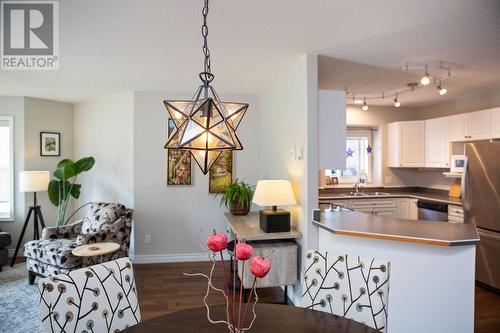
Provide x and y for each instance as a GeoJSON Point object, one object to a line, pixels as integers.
{"type": "Point", "coordinates": [359, 150]}
{"type": "Point", "coordinates": [6, 172]}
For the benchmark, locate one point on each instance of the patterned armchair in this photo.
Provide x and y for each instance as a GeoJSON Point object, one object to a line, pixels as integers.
{"type": "Point", "coordinates": [348, 286]}
{"type": "Point", "coordinates": [51, 255]}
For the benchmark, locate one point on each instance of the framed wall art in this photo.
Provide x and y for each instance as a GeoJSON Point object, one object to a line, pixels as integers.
{"type": "Point", "coordinates": [221, 173]}
{"type": "Point", "coordinates": [179, 171]}
{"type": "Point", "coordinates": [50, 144]}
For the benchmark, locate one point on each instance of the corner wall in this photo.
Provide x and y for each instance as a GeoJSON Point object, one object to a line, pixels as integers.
{"type": "Point", "coordinates": [290, 121]}
{"type": "Point", "coordinates": [104, 129]}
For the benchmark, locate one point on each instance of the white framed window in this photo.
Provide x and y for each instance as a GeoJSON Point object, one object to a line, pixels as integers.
{"type": "Point", "coordinates": [6, 168]}
{"type": "Point", "coordinates": [359, 157]}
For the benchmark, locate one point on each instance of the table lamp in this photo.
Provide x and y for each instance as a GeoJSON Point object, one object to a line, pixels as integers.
{"type": "Point", "coordinates": [274, 193]}
{"type": "Point", "coordinates": [32, 181]}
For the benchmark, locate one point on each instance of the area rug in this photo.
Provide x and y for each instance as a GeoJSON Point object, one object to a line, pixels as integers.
{"type": "Point", "coordinates": [18, 301]}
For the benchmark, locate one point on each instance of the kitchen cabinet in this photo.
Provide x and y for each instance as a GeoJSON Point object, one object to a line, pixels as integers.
{"type": "Point", "coordinates": [403, 208]}
{"type": "Point", "coordinates": [384, 207]}
{"type": "Point", "coordinates": [458, 127]}
{"type": "Point", "coordinates": [470, 126]}
{"type": "Point", "coordinates": [406, 141]}
{"type": "Point", "coordinates": [495, 123]}
{"type": "Point", "coordinates": [455, 214]}
{"type": "Point", "coordinates": [437, 143]}
{"type": "Point", "coordinates": [413, 209]}
{"type": "Point", "coordinates": [331, 129]}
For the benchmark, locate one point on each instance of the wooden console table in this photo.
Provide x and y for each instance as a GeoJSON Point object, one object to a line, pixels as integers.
{"type": "Point", "coordinates": [280, 246]}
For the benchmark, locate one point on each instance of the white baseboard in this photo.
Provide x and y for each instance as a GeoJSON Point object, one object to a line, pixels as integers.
{"type": "Point", "coordinates": [166, 258]}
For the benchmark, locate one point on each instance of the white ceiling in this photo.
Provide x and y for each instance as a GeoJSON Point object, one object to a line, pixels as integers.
{"type": "Point", "coordinates": [115, 45]}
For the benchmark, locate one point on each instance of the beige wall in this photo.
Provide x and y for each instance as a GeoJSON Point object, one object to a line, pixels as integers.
{"type": "Point", "coordinates": [51, 116]}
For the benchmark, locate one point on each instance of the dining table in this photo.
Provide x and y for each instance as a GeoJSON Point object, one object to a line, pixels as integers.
{"type": "Point", "coordinates": [270, 318]}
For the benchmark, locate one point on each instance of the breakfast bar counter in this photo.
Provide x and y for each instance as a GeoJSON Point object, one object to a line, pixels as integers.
{"type": "Point", "coordinates": [347, 222]}
{"type": "Point", "coordinates": [432, 265]}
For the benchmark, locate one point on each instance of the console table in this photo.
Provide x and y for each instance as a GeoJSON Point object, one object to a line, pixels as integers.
{"type": "Point", "coordinates": [279, 246]}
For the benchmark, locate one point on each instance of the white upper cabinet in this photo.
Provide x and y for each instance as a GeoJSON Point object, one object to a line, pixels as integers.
{"type": "Point", "coordinates": [479, 125]}
{"type": "Point", "coordinates": [406, 140]}
{"type": "Point", "coordinates": [332, 129]}
{"type": "Point", "coordinates": [495, 123]}
{"type": "Point", "coordinates": [437, 143]}
{"type": "Point", "coordinates": [470, 126]}
{"type": "Point", "coordinates": [458, 127]}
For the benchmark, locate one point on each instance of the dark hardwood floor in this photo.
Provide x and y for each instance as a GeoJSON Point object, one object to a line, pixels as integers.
{"type": "Point", "coordinates": [163, 288]}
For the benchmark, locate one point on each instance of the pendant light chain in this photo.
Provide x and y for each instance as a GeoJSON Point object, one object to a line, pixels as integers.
{"type": "Point", "coordinates": [207, 75]}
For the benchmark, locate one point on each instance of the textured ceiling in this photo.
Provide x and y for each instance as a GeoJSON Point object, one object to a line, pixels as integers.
{"type": "Point", "coordinates": [114, 45]}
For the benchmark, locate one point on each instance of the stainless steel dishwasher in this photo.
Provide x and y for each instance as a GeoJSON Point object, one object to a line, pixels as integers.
{"type": "Point", "coordinates": [432, 211]}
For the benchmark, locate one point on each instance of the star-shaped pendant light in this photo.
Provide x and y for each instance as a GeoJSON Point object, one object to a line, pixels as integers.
{"type": "Point", "coordinates": [205, 125]}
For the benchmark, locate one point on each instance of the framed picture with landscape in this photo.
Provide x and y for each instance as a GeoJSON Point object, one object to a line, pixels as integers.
{"type": "Point", "coordinates": [50, 144]}
{"type": "Point", "coordinates": [179, 172]}
{"type": "Point", "coordinates": [221, 173]}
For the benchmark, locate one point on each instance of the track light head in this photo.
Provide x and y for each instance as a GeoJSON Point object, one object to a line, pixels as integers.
{"type": "Point", "coordinates": [442, 90]}
{"type": "Point", "coordinates": [397, 103]}
{"type": "Point", "coordinates": [365, 107]}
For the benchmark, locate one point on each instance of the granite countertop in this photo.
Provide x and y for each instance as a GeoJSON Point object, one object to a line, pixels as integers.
{"type": "Point", "coordinates": [357, 224]}
{"type": "Point", "coordinates": [394, 194]}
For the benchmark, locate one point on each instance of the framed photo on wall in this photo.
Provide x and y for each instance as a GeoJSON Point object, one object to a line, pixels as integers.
{"type": "Point", "coordinates": [179, 171]}
{"type": "Point", "coordinates": [50, 144]}
{"type": "Point", "coordinates": [220, 175]}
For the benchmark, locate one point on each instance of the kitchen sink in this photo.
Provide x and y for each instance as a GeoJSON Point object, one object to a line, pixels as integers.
{"type": "Point", "coordinates": [365, 194]}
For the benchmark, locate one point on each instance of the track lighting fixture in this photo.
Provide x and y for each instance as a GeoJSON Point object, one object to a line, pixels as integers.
{"type": "Point", "coordinates": [365, 107]}
{"type": "Point", "coordinates": [440, 72]}
{"type": "Point", "coordinates": [441, 89]}
{"type": "Point", "coordinates": [397, 103]}
{"type": "Point", "coordinates": [426, 79]}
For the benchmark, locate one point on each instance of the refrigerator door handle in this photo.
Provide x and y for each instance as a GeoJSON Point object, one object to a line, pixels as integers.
{"type": "Point", "coordinates": [462, 181]}
{"type": "Point", "coordinates": [488, 234]}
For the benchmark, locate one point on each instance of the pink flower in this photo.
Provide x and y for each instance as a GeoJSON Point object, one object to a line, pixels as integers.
{"type": "Point", "coordinates": [260, 266]}
{"type": "Point", "coordinates": [217, 242]}
{"type": "Point", "coordinates": [243, 251]}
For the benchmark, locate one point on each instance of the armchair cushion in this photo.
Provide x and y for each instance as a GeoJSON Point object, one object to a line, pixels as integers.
{"type": "Point", "coordinates": [65, 231]}
{"type": "Point", "coordinates": [101, 215]}
{"type": "Point", "coordinates": [56, 252]}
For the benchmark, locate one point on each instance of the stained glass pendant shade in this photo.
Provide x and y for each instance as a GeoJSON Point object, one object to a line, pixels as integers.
{"type": "Point", "coordinates": [205, 125]}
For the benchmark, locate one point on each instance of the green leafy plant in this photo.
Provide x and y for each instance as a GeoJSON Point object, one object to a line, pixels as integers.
{"type": "Point", "coordinates": [64, 186]}
{"type": "Point", "coordinates": [238, 197]}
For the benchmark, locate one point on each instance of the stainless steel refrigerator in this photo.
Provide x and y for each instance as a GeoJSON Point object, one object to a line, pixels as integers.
{"type": "Point", "coordinates": [481, 200]}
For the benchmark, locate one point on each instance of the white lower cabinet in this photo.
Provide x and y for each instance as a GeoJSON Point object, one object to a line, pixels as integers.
{"type": "Point", "coordinates": [403, 208]}
{"type": "Point", "coordinates": [455, 214]}
{"type": "Point", "coordinates": [413, 210]}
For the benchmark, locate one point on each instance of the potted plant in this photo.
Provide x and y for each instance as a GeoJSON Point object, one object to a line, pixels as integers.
{"type": "Point", "coordinates": [64, 185]}
{"type": "Point", "coordinates": [238, 198]}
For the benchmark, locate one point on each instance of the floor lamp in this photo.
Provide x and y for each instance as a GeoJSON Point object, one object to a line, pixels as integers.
{"type": "Point", "coordinates": [32, 181]}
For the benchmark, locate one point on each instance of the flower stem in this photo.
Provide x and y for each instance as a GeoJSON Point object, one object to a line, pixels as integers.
{"type": "Point", "coordinates": [231, 312]}
{"type": "Point", "coordinates": [248, 301]}
{"type": "Point", "coordinates": [241, 292]}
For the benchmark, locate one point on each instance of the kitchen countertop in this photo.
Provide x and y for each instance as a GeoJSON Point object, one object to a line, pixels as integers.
{"type": "Point", "coordinates": [357, 224]}
{"type": "Point", "coordinates": [394, 194]}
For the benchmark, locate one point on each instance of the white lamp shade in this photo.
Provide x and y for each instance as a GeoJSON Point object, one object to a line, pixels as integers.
{"type": "Point", "coordinates": [34, 181]}
{"type": "Point", "coordinates": [274, 193]}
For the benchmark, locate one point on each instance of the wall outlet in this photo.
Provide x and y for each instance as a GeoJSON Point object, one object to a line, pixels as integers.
{"type": "Point", "coordinates": [147, 238]}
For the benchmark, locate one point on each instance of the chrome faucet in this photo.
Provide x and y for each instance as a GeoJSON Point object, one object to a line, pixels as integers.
{"type": "Point", "coordinates": [358, 188]}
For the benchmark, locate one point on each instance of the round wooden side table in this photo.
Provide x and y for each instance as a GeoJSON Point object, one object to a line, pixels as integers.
{"type": "Point", "coordinates": [96, 249]}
